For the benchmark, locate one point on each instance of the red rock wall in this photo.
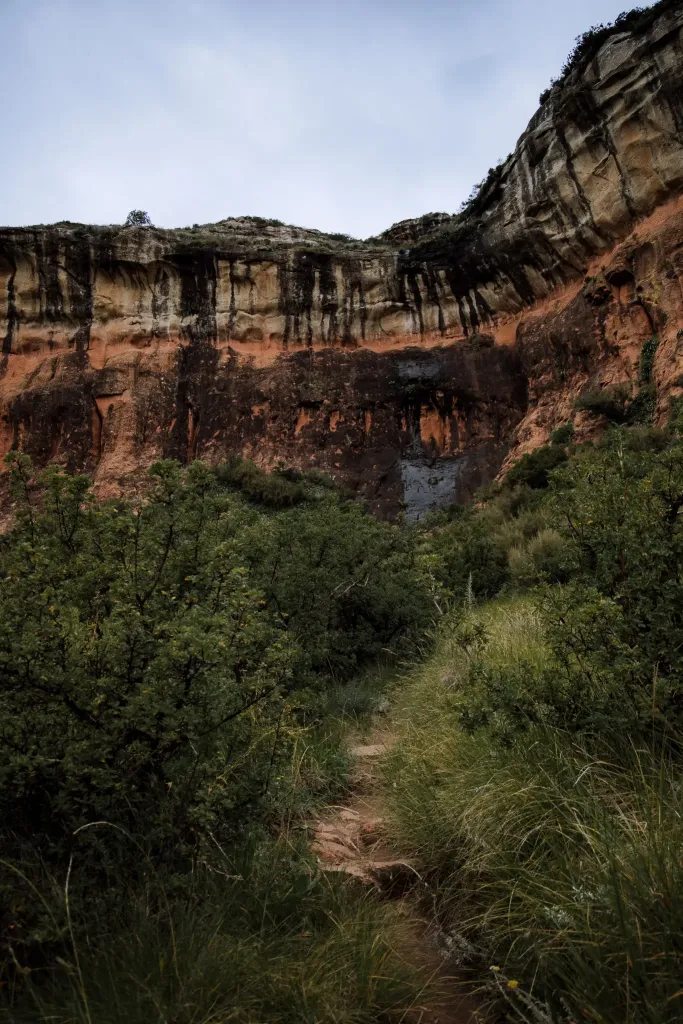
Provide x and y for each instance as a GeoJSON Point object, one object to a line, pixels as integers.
{"type": "Point", "coordinates": [411, 366]}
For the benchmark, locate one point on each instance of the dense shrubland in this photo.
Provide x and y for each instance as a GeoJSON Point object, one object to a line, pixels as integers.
{"type": "Point", "coordinates": [170, 670]}
{"type": "Point", "coordinates": [538, 774]}
{"type": "Point", "coordinates": [174, 669]}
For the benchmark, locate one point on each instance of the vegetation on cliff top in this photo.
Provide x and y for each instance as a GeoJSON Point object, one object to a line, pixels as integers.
{"type": "Point", "coordinates": [589, 43]}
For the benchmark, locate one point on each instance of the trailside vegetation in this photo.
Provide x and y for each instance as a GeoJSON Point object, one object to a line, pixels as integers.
{"type": "Point", "coordinates": [173, 671]}
{"type": "Point", "coordinates": [170, 667]}
{"type": "Point", "coordinates": [537, 776]}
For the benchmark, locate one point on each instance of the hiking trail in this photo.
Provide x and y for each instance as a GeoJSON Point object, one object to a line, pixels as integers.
{"type": "Point", "coordinates": [352, 839]}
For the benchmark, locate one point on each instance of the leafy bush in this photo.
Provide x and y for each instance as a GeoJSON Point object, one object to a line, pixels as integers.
{"type": "Point", "coordinates": [533, 468]}
{"type": "Point", "coordinates": [472, 562]}
{"type": "Point", "coordinates": [545, 556]}
{"type": "Point", "coordinates": [563, 435]}
{"type": "Point", "coordinates": [344, 585]}
{"type": "Point", "coordinates": [607, 402]}
{"type": "Point", "coordinates": [138, 219]}
{"type": "Point", "coordinates": [139, 663]}
{"type": "Point", "coordinates": [641, 408]}
{"type": "Point", "coordinates": [615, 631]}
{"type": "Point", "coordinates": [160, 658]}
{"type": "Point", "coordinates": [647, 358]}
{"type": "Point", "coordinates": [622, 510]}
{"type": "Point", "coordinates": [275, 490]}
{"type": "Point", "coordinates": [147, 647]}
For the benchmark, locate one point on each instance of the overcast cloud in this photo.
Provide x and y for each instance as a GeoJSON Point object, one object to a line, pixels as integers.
{"type": "Point", "coordinates": [343, 116]}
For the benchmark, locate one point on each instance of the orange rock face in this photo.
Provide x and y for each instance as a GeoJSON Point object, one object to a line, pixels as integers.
{"type": "Point", "coordinates": [412, 366]}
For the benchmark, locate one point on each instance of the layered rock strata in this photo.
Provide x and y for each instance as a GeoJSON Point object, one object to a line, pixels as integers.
{"type": "Point", "coordinates": [410, 365]}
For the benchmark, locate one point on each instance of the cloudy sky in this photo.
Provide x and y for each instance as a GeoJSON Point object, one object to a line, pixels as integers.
{"type": "Point", "coordinates": [346, 115]}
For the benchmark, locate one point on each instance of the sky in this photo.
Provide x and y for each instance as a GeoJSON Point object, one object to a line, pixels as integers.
{"type": "Point", "coordinates": [345, 116]}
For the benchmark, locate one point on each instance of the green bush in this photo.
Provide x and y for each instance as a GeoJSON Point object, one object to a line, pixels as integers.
{"type": "Point", "coordinates": [138, 660]}
{"type": "Point", "coordinates": [641, 408]}
{"type": "Point", "coordinates": [615, 631]}
{"type": "Point", "coordinates": [273, 490]}
{"type": "Point", "coordinates": [344, 585]}
{"type": "Point", "coordinates": [647, 358]}
{"type": "Point", "coordinates": [533, 468]}
{"type": "Point", "coordinates": [608, 402]}
{"type": "Point", "coordinates": [546, 556]}
{"type": "Point", "coordinates": [563, 435]}
{"type": "Point", "coordinates": [160, 659]}
{"type": "Point", "coordinates": [472, 562]}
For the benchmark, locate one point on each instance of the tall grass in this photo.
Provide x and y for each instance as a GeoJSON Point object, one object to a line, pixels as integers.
{"type": "Point", "coordinates": [564, 871]}
{"type": "Point", "coordinates": [256, 934]}
{"type": "Point", "coordinates": [273, 942]}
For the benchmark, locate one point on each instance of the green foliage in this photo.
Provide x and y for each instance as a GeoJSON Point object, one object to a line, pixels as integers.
{"type": "Point", "coordinates": [546, 556]}
{"type": "Point", "coordinates": [533, 468]}
{"type": "Point", "coordinates": [558, 868]}
{"type": "Point", "coordinates": [138, 219]}
{"type": "Point", "coordinates": [139, 662]}
{"type": "Point", "coordinates": [274, 490]}
{"type": "Point", "coordinates": [563, 435]}
{"type": "Point", "coordinates": [484, 191]}
{"type": "Point", "coordinates": [607, 402]}
{"type": "Point", "coordinates": [647, 358]}
{"type": "Point", "coordinates": [641, 408]}
{"type": "Point", "coordinates": [537, 776]}
{"type": "Point", "coordinates": [589, 43]}
{"type": "Point", "coordinates": [616, 403]}
{"type": "Point", "coordinates": [344, 585]}
{"type": "Point", "coordinates": [161, 661]}
{"type": "Point", "coordinates": [614, 630]}
{"type": "Point", "coordinates": [264, 937]}
{"type": "Point", "coordinates": [471, 561]}
{"type": "Point", "coordinates": [618, 631]}
{"type": "Point", "coordinates": [266, 222]}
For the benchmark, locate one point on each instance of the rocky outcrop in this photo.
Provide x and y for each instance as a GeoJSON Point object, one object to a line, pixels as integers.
{"type": "Point", "coordinates": [409, 365]}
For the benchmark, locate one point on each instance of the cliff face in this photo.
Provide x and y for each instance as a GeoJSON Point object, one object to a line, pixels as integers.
{"type": "Point", "coordinates": [410, 365]}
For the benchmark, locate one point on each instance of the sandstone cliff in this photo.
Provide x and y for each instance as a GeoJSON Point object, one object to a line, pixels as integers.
{"type": "Point", "coordinates": [409, 365]}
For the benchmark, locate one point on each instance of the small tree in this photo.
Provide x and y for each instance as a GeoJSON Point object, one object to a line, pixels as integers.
{"type": "Point", "coordinates": [138, 219]}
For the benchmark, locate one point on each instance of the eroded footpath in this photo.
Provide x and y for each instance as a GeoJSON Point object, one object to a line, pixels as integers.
{"type": "Point", "coordinates": [352, 839]}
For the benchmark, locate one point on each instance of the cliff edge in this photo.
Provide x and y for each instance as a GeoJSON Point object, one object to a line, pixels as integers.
{"type": "Point", "coordinates": [411, 365]}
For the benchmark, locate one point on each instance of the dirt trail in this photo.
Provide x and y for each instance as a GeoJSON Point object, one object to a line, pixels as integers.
{"type": "Point", "coordinates": [351, 839]}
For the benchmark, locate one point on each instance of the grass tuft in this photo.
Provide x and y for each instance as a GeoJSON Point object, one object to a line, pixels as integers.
{"type": "Point", "coordinates": [563, 870]}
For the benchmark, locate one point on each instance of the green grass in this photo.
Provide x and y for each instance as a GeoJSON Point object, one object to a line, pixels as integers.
{"type": "Point", "coordinates": [259, 936]}
{"type": "Point", "coordinates": [274, 942]}
{"type": "Point", "coordinates": [563, 871]}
